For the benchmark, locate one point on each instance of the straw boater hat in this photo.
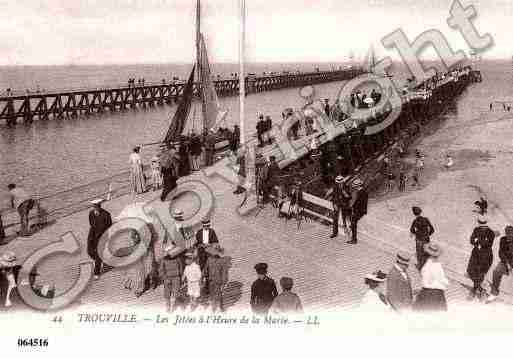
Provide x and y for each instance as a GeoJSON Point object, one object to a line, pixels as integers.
{"type": "Point", "coordinates": [377, 276]}
{"type": "Point", "coordinates": [339, 179]}
{"type": "Point", "coordinates": [178, 213]}
{"type": "Point", "coordinates": [432, 249]}
{"type": "Point", "coordinates": [205, 221]}
{"type": "Point", "coordinates": [154, 159]}
{"type": "Point", "coordinates": [357, 183]}
{"type": "Point", "coordinates": [97, 201]}
{"type": "Point", "coordinates": [403, 258]}
{"type": "Point", "coordinates": [8, 259]}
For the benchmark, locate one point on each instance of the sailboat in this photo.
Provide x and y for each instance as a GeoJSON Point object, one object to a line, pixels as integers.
{"type": "Point", "coordinates": [371, 65]}
{"type": "Point", "coordinates": [211, 113]}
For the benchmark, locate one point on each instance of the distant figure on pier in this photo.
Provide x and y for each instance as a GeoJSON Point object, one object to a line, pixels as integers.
{"type": "Point", "coordinates": [327, 107]}
{"type": "Point", "coordinates": [156, 174]}
{"type": "Point", "coordinates": [491, 106]}
{"type": "Point", "coordinates": [23, 203]}
{"type": "Point", "coordinates": [137, 181]}
{"type": "Point", "coordinates": [195, 151]}
{"type": "Point", "coordinates": [100, 220]}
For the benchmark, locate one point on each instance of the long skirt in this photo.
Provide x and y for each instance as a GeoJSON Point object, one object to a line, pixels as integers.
{"type": "Point", "coordinates": [430, 300]}
{"type": "Point", "coordinates": [137, 182]}
{"type": "Point", "coordinates": [479, 264]}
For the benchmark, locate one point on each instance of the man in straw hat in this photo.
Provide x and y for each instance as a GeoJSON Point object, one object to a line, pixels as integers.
{"type": "Point", "coordinates": [505, 264]}
{"type": "Point", "coordinates": [216, 270]}
{"type": "Point", "coordinates": [434, 282]}
{"type": "Point", "coordinates": [399, 288]}
{"type": "Point", "coordinates": [171, 270]}
{"type": "Point", "coordinates": [100, 220]}
{"type": "Point", "coordinates": [204, 237]}
{"type": "Point", "coordinates": [421, 229]}
{"type": "Point", "coordinates": [358, 208]}
{"type": "Point", "coordinates": [341, 199]}
{"type": "Point", "coordinates": [263, 291]}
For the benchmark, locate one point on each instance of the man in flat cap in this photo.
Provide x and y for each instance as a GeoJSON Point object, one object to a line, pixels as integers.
{"type": "Point", "coordinates": [399, 289]}
{"type": "Point", "coordinates": [100, 220]}
{"type": "Point", "coordinates": [263, 291]}
{"type": "Point", "coordinates": [421, 229]}
{"type": "Point", "coordinates": [286, 302]}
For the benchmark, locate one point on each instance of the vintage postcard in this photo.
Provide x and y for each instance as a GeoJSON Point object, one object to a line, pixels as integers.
{"type": "Point", "coordinates": [180, 169]}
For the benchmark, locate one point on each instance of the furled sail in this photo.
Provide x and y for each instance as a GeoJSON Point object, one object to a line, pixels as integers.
{"type": "Point", "coordinates": [182, 112]}
{"type": "Point", "coordinates": [212, 115]}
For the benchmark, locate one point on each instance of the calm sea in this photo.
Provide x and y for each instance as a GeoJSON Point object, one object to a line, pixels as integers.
{"type": "Point", "coordinates": [47, 157]}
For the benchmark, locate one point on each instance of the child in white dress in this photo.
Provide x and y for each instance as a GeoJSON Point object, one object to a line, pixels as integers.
{"type": "Point", "coordinates": [192, 275]}
{"type": "Point", "coordinates": [156, 174]}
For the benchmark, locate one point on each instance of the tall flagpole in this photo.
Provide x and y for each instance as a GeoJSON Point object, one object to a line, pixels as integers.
{"type": "Point", "coordinates": [242, 79]}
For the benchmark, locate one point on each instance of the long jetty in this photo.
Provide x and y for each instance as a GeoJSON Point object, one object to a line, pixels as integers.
{"type": "Point", "coordinates": [73, 103]}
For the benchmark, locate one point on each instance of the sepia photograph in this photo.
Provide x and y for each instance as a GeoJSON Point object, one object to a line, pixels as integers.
{"type": "Point", "coordinates": [249, 169]}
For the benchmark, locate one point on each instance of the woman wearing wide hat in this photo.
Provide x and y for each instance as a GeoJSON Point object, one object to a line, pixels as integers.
{"type": "Point", "coordinates": [481, 258]}
{"type": "Point", "coordinates": [374, 300]}
{"type": "Point", "coordinates": [434, 282]}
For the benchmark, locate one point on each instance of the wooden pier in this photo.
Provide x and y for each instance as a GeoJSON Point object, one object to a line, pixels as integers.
{"type": "Point", "coordinates": [72, 103]}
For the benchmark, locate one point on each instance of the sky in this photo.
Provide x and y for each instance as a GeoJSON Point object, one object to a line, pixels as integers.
{"type": "Point", "coordinates": [56, 32]}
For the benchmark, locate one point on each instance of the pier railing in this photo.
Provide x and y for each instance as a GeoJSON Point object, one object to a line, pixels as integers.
{"type": "Point", "coordinates": [75, 102]}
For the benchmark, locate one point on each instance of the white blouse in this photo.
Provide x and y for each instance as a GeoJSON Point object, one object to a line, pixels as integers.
{"type": "Point", "coordinates": [433, 275]}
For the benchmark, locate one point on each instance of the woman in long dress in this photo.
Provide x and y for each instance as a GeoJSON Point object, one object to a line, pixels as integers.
{"type": "Point", "coordinates": [137, 181]}
{"type": "Point", "coordinates": [431, 297]}
{"type": "Point", "coordinates": [481, 258]}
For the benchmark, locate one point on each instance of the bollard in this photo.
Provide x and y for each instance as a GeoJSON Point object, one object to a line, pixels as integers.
{"type": "Point", "coordinates": [109, 193]}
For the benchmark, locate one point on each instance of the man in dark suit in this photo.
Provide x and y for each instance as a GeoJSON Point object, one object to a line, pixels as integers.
{"type": "Point", "coordinates": [263, 291]}
{"type": "Point", "coordinates": [421, 229]}
{"type": "Point", "coordinates": [340, 198]}
{"type": "Point", "coordinates": [399, 289]}
{"type": "Point", "coordinates": [204, 237]}
{"type": "Point", "coordinates": [260, 127]}
{"type": "Point", "coordinates": [100, 220]}
{"type": "Point", "coordinates": [359, 208]}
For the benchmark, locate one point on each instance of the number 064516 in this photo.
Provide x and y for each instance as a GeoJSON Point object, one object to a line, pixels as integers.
{"type": "Point", "coordinates": [32, 342]}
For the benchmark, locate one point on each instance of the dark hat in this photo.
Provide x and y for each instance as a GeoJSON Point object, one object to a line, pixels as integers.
{"type": "Point", "coordinates": [416, 210]}
{"type": "Point", "coordinates": [206, 221]}
{"type": "Point", "coordinates": [509, 231]}
{"type": "Point", "coordinates": [286, 283]}
{"type": "Point", "coordinates": [261, 268]}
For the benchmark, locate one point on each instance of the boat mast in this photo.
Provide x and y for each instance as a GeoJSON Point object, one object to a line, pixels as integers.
{"type": "Point", "coordinates": [242, 80]}
{"type": "Point", "coordinates": [198, 58]}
